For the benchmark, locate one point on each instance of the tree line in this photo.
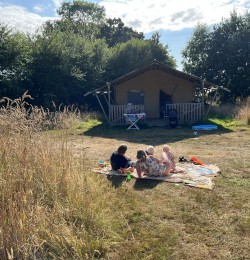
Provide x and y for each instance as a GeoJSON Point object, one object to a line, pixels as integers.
{"type": "Point", "coordinates": [84, 49]}
{"type": "Point", "coordinates": [221, 55]}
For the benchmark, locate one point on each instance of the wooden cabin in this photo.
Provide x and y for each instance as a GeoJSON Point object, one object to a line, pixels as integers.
{"type": "Point", "coordinates": [154, 89]}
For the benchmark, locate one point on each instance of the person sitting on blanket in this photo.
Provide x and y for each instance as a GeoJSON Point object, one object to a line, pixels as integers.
{"type": "Point", "coordinates": [150, 167]}
{"type": "Point", "coordinates": [167, 156]}
{"type": "Point", "coordinates": [150, 152]}
{"type": "Point", "coordinates": [119, 161]}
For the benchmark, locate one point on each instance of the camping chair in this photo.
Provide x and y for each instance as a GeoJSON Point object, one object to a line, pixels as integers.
{"type": "Point", "coordinates": [172, 114]}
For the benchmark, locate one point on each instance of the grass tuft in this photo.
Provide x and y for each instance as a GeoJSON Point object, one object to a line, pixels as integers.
{"type": "Point", "coordinates": [231, 115]}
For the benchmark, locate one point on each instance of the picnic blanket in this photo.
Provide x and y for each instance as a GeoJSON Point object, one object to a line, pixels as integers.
{"type": "Point", "coordinates": [199, 176]}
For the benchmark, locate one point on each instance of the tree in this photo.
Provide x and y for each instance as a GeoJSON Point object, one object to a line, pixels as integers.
{"type": "Point", "coordinates": [196, 52]}
{"type": "Point", "coordinates": [15, 56]}
{"type": "Point", "coordinates": [229, 56]}
{"type": "Point", "coordinates": [79, 17]}
{"type": "Point", "coordinates": [114, 32]}
{"type": "Point", "coordinates": [161, 52]}
{"type": "Point", "coordinates": [66, 66]}
{"type": "Point", "coordinates": [135, 53]}
{"type": "Point", "coordinates": [222, 56]}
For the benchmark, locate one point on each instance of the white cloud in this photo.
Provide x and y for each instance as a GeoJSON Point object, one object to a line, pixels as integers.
{"type": "Point", "coordinates": [39, 8]}
{"type": "Point", "coordinates": [144, 16]}
{"type": "Point", "coordinates": [148, 16]}
{"type": "Point", "coordinates": [20, 19]}
{"type": "Point", "coordinates": [57, 3]}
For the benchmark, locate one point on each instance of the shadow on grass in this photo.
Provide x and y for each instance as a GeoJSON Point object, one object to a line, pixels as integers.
{"type": "Point", "coordinates": [141, 184]}
{"type": "Point", "coordinates": [116, 180]}
{"type": "Point", "coordinates": [152, 135]}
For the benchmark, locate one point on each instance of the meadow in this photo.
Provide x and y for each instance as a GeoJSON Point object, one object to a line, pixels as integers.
{"type": "Point", "coordinates": [54, 207]}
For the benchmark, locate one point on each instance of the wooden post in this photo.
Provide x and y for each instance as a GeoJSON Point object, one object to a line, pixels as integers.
{"type": "Point", "coordinates": [203, 98]}
{"type": "Point", "coordinates": [215, 94]}
{"type": "Point", "coordinates": [109, 99]}
{"type": "Point", "coordinates": [102, 108]}
{"type": "Point", "coordinates": [106, 99]}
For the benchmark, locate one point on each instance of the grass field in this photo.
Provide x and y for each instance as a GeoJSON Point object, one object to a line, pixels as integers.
{"type": "Point", "coordinates": [168, 221]}
{"type": "Point", "coordinates": [54, 207]}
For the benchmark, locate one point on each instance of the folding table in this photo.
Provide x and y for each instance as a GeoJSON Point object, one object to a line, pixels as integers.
{"type": "Point", "coordinates": [133, 119]}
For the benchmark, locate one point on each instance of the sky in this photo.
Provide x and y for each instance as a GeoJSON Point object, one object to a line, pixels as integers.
{"type": "Point", "coordinates": [173, 19]}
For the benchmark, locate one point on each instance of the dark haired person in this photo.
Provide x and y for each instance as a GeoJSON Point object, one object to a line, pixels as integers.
{"type": "Point", "coordinates": [119, 161]}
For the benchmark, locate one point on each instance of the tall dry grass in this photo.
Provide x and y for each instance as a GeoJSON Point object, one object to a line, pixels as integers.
{"type": "Point", "coordinates": [244, 112]}
{"type": "Point", "coordinates": [18, 115]}
{"type": "Point", "coordinates": [50, 207]}
{"type": "Point", "coordinates": [239, 111]}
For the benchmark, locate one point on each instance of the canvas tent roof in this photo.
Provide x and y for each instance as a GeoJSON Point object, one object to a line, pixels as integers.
{"type": "Point", "coordinates": [156, 65]}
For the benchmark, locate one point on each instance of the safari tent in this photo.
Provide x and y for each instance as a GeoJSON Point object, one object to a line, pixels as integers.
{"type": "Point", "coordinates": [154, 89]}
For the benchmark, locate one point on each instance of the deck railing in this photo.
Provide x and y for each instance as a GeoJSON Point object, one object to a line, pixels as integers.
{"type": "Point", "coordinates": [187, 113]}
{"type": "Point", "coordinates": [116, 113]}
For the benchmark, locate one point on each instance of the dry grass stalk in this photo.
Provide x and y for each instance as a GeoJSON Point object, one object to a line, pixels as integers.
{"type": "Point", "coordinates": [239, 111]}
{"type": "Point", "coordinates": [244, 113]}
{"type": "Point", "coordinates": [19, 116]}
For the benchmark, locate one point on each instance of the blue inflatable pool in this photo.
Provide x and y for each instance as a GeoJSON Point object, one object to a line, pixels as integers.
{"type": "Point", "coordinates": [204, 127]}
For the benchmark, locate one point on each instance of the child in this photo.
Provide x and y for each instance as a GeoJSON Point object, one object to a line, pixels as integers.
{"type": "Point", "coordinates": [168, 156]}
{"type": "Point", "coordinates": [150, 152]}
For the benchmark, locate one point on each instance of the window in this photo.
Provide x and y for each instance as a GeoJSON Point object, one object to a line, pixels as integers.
{"type": "Point", "coordinates": [136, 97]}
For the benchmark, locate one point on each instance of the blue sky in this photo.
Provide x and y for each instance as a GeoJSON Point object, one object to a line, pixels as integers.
{"type": "Point", "coordinates": [174, 19]}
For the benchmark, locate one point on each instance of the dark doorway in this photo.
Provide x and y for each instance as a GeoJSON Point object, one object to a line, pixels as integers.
{"type": "Point", "coordinates": [164, 99]}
